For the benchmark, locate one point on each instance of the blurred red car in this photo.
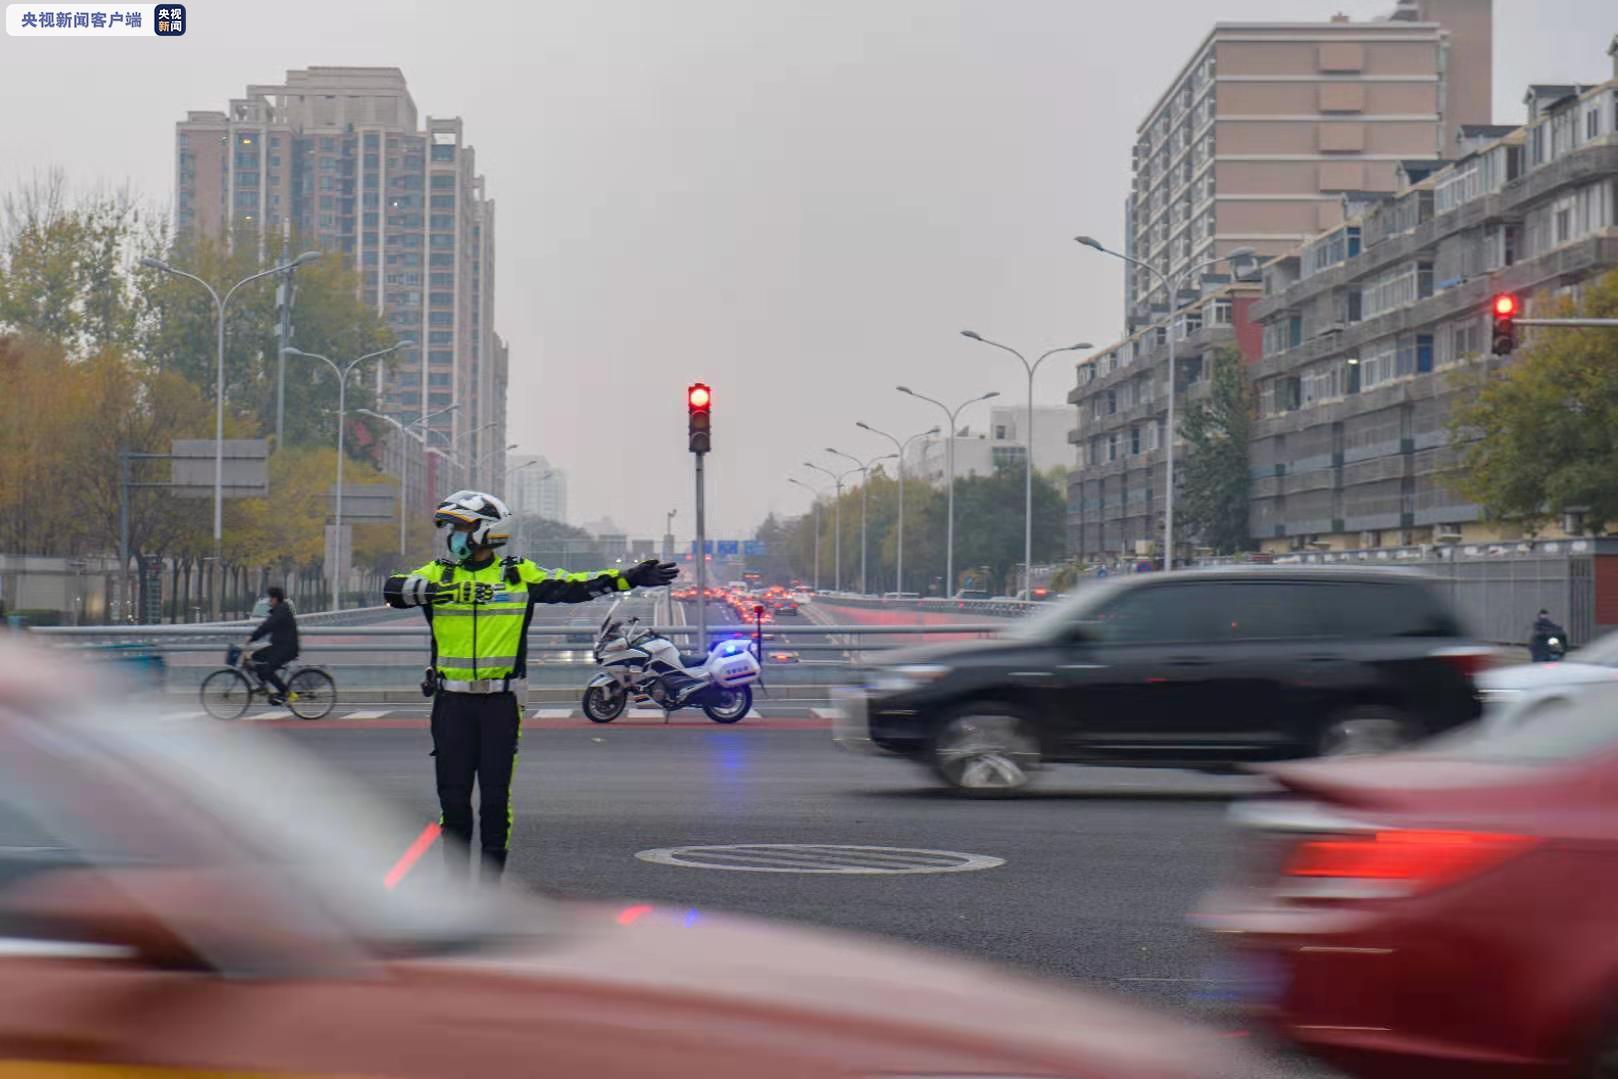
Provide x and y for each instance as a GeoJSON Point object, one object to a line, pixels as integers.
{"type": "Point", "coordinates": [1451, 911]}
{"type": "Point", "coordinates": [186, 898]}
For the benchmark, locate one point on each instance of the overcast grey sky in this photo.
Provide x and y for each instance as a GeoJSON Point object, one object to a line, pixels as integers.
{"type": "Point", "coordinates": [799, 203]}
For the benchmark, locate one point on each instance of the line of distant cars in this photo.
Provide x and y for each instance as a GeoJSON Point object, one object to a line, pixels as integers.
{"type": "Point", "coordinates": [1428, 896]}
{"type": "Point", "coordinates": [743, 603]}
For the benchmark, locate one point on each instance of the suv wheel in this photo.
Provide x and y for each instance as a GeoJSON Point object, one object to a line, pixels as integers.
{"type": "Point", "coordinates": [1363, 732]}
{"type": "Point", "coordinates": [986, 750]}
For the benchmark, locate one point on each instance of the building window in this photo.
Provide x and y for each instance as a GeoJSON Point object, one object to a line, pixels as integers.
{"type": "Point", "coordinates": [442, 221]}
{"type": "Point", "coordinates": [441, 357]}
{"type": "Point", "coordinates": [443, 280]}
{"type": "Point", "coordinates": [445, 152]}
{"type": "Point", "coordinates": [443, 180]}
{"type": "Point", "coordinates": [1112, 446]}
{"type": "Point", "coordinates": [440, 337]}
{"type": "Point", "coordinates": [1424, 353]}
{"type": "Point", "coordinates": [1112, 402]}
{"type": "Point", "coordinates": [1134, 441]}
{"type": "Point", "coordinates": [442, 299]}
{"type": "Point", "coordinates": [439, 378]}
{"type": "Point", "coordinates": [443, 202]}
{"type": "Point", "coordinates": [439, 240]}
{"type": "Point", "coordinates": [441, 318]}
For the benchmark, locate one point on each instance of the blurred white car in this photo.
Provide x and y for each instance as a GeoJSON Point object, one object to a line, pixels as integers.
{"type": "Point", "coordinates": [1522, 694]}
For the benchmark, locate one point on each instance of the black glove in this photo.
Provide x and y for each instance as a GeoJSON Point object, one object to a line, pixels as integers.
{"type": "Point", "coordinates": [652, 574]}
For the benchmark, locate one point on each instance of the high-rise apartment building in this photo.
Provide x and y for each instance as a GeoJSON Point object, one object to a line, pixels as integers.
{"type": "Point", "coordinates": [336, 158]}
{"type": "Point", "coordinates": [1267, 125]}
{"type": "Point", "coordinates": [534, 487]}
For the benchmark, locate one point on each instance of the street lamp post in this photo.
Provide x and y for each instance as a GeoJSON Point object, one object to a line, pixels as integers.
{"type": "Point", "coordinates": [949, 447]}
{"type": "Point", "coordinates": [342, 374]}
{"type": "Point", "coordinates": [837, 525]}
{"type": "Point", "coordinates": [1028, 438]}
{"type": "Point", "coordinates": [404, 455]}
{"type": "Point", "coordinates": [220, 303]}
{"type": "Point", "coordinates": [901, 447]}
{"type": "Point", "coordinates": [865, 503]}
{"type": "Point", "coordinates": [1173, 287]}
{"type": "Point", "coordinates": [477, 466]}
{"type": "Point", "coordinates": [815, 505]}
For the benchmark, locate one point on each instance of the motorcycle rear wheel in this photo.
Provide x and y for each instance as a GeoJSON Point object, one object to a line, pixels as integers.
{"type": "Point", "coordinates": [727, 705]}
{"type": "Point", "coordinates": [603, 704]}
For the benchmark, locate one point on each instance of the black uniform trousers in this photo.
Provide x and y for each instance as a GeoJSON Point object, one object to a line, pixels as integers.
{"type": "Point", "coordinates": [475, 737]}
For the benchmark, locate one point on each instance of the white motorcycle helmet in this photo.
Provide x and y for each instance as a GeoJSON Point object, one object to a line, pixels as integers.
{"type": "Point", "coordinates": [489, 517]}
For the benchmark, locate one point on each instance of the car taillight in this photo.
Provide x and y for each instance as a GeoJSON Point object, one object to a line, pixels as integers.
{"type": "Point", "coordinates": [1470, 662]}
{"type": "Point", "coordinates": [1392, 864]}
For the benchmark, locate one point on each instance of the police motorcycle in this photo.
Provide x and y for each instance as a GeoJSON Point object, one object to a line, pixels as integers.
{"type": "Point", "coordinates": [641, 665]}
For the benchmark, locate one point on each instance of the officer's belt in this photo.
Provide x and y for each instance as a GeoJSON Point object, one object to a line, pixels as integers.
{"type": "Point", "coordinates": [484, 685]}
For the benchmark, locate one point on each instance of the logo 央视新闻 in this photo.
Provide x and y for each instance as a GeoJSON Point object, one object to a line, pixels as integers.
{"type": "Point", "coordinates": [169, 20]}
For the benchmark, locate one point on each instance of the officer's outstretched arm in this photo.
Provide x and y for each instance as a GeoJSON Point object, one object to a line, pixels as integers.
{"type": "Point", "coordinates": [556, 586]}
{"type": "Point", "coordinates": [404, 590]}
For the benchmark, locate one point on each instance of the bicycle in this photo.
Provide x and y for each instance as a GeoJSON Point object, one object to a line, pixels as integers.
{"type": "Point", "coordinates": [228, 692]}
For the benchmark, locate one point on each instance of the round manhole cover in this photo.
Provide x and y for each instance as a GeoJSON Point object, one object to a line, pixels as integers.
{"type": "Point", "coordinates": [820, 858]}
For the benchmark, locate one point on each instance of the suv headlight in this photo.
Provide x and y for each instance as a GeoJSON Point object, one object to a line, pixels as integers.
{"type": "Point", "coordinates": [907, 678]}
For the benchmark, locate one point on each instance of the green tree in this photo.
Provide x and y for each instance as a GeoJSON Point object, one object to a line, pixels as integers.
{"type": "Point", "coordinates": [1539, 435]}
{"type": "Point", "coordinates": [64, 264]}
{"type": "Point", "coordinates": [178, 333]}
{"type": "Point", "coordinates": [1217, 478]}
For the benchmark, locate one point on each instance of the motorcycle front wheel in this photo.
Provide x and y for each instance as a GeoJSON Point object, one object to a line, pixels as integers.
{"type": "Point", "coordinates": [603, 704]}
{"type": "Point", "coordinates": [727, 705]}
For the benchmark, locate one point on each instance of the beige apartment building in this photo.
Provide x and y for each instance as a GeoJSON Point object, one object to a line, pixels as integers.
{"type": "Point", "coordinates": [337, 158]}
{"type": "Point", "coordinates": [1267, 125]}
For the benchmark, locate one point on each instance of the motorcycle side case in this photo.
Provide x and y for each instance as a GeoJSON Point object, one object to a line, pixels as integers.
{"type": "Point", "coordinates": [733, 670]}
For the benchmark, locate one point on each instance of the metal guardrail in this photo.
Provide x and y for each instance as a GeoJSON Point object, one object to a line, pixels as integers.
{"type": "Point", "coordinates": [989, 608]}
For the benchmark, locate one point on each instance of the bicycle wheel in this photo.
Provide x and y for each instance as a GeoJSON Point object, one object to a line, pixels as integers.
{"type": "Point", "coordinates": [311, 693]}
{"type": "Point", "coordinates": [226, 694]}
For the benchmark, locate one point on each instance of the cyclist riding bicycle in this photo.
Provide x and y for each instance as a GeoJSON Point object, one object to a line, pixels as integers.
{"type": "Point", "coordinates": [282, 648]}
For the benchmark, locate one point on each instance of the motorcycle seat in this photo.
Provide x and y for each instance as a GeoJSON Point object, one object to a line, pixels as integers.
{"type": "Point", "coordinates": [691, 660]}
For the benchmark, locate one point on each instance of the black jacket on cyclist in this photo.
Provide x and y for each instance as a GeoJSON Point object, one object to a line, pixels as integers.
{"type": "Point", "coordinates": [282, 630]}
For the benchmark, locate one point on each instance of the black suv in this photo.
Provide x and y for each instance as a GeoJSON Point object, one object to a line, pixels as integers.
{"type": "Point", "coordinates": [1199, 669]}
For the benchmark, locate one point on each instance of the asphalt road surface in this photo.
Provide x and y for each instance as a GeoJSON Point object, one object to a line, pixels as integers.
{"type": "Point", "coordinates": [1100, 865]}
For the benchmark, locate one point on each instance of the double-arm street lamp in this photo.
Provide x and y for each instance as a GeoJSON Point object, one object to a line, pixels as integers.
{"type": "Point", "coordinates": [342, 373]}
{"type": "Point", "coordinates": [815, 491]}
{"type": "Point", "coordinates": [220, 302]}
{"type": "Point", "coordinates": [902, 448]}
{"type": "Point", "coordinates": [404, 454]}
{"type": "Point", "coordinates": [1028, 439]}
{"type": "Point", "coordinates": [864, 469]}
{"type": "Point", "coordinates": [949, 453]}
{"type": "Point", "coordinates": [1173, 287]}
{"type": "Point", "coordinates": [837, 524]}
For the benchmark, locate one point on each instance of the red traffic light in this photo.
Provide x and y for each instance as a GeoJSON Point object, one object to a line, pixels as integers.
{"type": "Point", "coordinates": [698, 396]}
{"type": "Point", "coordinates": [1505, 305]}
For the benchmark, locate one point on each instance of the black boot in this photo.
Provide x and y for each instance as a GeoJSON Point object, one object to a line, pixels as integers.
{"type": "Point", "coordinates": [457, 858]}
{"type": "Point", "coordinates": [494, 866]}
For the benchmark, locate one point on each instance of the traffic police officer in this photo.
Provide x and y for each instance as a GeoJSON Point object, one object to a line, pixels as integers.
{"type": "Point", "coordinates": [479, 608]}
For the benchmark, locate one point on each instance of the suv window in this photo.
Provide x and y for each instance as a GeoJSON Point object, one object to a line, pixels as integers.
{"type": "Point", "coordinates": [1387, 609]}
{"type": "Point", "coordinates": [1181, 611]}
{"type": "Point", "coordinates": [1278, 610]}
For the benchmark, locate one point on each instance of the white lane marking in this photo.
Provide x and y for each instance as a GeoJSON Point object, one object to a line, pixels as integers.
{"type": "Point", "coordinates": [823, 713]}
{"type": "Point", "coordinates": [644, 713]}
{"type": "Point", "coordinates": [554, 713]}
{"type": "Point", "coordinates": [363, 715]}
{"type": "Point", "coordinates": [273, 714]}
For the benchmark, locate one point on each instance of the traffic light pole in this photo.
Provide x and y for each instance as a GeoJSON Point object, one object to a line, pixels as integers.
{"type": "Point", "coordinates": [700, 556]}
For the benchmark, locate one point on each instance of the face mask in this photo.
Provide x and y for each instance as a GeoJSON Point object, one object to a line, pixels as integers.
{"type": "Point", "coordinates": [460, 545]}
